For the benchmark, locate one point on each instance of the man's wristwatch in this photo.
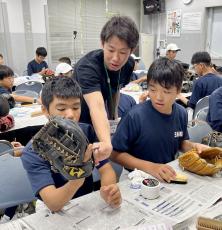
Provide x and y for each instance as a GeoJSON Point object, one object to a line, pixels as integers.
{"type": "Point", "coordinates": [34, 100]}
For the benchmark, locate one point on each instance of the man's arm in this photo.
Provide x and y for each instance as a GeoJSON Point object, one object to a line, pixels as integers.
{"type": "Point", "coordinates": [160, 171]}
{"type": "Point", "coordinates": [100, 123]}
{"type": "Point", "coordinates": [56, 198]}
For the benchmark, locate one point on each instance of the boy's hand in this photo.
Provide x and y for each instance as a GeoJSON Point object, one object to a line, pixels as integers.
{"type": "Point", "coordinates": [111, 194]}
{"type": "Point", "coordinates": [162, 172]}
{"type": "Point", "coordinates": [101, 151]}
{"type": "Point", "coordinates": [200, 147]}
{"type": "Point", "coordinates": [17, 151]}
{"type": "Point", "coordinates": [143, 97]}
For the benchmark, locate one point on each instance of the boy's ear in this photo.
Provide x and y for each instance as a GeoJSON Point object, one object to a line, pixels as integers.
{"type": "Point", "coordinates": [45, 111]}
{"type": "Point", "coordinates": [102, 44]}
{"type": "Point", "coordinates": [132, 50]}
{"type": "Point", "coordinates": [179, 90]}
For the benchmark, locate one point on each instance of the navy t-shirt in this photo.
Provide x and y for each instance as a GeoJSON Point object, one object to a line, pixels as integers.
{"type": "Point", "coordinates": [35, 67]}
{"type": "Point", "coordinates": [214, 116]}
{"type": "Point", "coordinates": [126, 103]}
{"type": "Point", "coordinates": [150, 135]}
{"type": "Point", "coordinates": [91, 75]}
{"type": "Point", "coordinates": [4, 90]}
{"type": "Point", "coordinates": [204, 86]}
{"type": "Point", "coordinates": [40, 173]}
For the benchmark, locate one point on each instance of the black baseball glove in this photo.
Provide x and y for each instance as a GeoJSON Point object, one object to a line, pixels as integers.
{"type": "Point", "coordinates": [62, 142]}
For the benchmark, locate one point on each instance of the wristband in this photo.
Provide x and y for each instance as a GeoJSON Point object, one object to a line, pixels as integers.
{"type": "Point", "coordinates": [34, 100]}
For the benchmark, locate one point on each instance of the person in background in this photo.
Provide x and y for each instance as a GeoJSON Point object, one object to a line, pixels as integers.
{"type": "Point", "coordinates": [214, 116]}
{"type": "Point", "coordinates": [101, 73]}
{"type": "Point", "coordinates": [151, 134]}
{"type": "Point", "coordinates": [137, 78]}
{"type": "Point", "coordinates": [171, 51]}
{"type": "Point", "coordinates": [6, 84]}
{"type": "Point", "coordinates": [38, 65]}
{"type": "Point", "coordinates": [63, 69]}
{"type": "Point", "coordinates": [61, 96]}
{"type": "Point", "coordinates": [126, 103]}
{"type": "Point", "coordinates": [207, 82]}
{"type": "Point", "coordinates": [65, 60]}
{"type": "Point", "coordinates": [1, 59]}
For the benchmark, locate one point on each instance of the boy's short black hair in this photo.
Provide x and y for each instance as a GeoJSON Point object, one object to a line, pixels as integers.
{"type": "Point", "coordinates": [41, 51]}
{"type": "Point", "coordinates": [65, 60]}
{"type": "Point", "coordinates": [61, 87]}
{"type": "Point", "coordinates": [201, 57]}
{"type": "Point", "coordinates": [167, 73]}
{"type": "Point", "coordinates": [124, 28]}
{"type": "Point", "coordinates": [5, 71]}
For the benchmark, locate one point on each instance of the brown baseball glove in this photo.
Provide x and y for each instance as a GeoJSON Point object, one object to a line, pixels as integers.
{"type": "Point", "coordinates": [206, 163]}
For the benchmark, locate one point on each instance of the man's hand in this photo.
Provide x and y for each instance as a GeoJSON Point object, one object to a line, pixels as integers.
{"type": "Point", "coordinates": [101, 151]}
{"type": "Point", "coordinates": [162, 172]}
{"type": "Point", "coordinates": [111, 194]}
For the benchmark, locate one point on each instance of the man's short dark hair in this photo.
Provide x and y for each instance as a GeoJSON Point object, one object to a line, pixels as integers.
{"type": "Point", "coordinates": [124, 28]}
{"type": "Point", "coordinates": [41, 51]}
{"type": "Point", "coordinates": [65, 60]}
{"type": "Point", "coordinates": [201, 57]}
{"type": "Point", "coordinates": [61, 87]}
{"type": "Point", "coordinates": [5, 71]}
{"type": "Point", "coordinates": [167, 73]}
{"type": "Point", "coordinates": [1, 55]}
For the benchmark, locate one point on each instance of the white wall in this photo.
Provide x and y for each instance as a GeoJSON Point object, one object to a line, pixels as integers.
{"type": "Point", "coordinates": [189, 41]}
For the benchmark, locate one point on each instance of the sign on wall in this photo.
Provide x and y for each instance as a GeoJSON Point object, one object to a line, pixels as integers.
{"type": "Point", "coordinates": [174, 23]}
{"type": "Point", "coordinates": [191, 21]}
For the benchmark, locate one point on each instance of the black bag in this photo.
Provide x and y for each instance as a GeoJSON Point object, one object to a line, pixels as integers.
{"type": "Point", "coordinates": [213, 139]}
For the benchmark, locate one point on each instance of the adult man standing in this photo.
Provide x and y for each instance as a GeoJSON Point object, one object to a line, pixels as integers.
{"type": "Point", "coordinates": [171, 51]}
{"type": "Point", "coordinates": [101, 73]}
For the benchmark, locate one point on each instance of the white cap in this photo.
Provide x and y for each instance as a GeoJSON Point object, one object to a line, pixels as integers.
{"type": "Point", "coordinates": [62, 68]}
{"type": "Point", "coordinates": [135, 57]}
{"type": "Point", "coordinates": [172, 47]}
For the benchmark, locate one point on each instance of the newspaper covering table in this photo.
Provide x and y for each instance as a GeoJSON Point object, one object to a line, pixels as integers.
{"type": "Point", "coordinates": [177, 203]}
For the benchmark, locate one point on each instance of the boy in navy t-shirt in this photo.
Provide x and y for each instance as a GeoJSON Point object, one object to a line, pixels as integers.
{"type": "Point", "coordinates": [38, 65]}
{"type": "Point", "coordinates": [150, 135]}
{"type": "Point", "coordinates": [206, 83]}
{"type": "Point", "coordinates": [214, 116]}
{"type": "Point", "coordinates": [61, 97]}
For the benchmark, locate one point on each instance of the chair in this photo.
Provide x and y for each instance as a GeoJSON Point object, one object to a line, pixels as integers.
{"type": "Point", "coordinates": [117, 168]}
{"type": "Point", "coordinates": [202, 103]}
{"type": "Point", "coordinates": [15, 187]}
{"type": "Point", "coordinates": [30, 85]}
{"type": "Point", "coordinates": [202, 114]}
{"type": "Point", "coordinates": [5, 146]}
{"type": "Point", "coordinates": [200, 130]}
{"type": "Point", "coordinates": [27, 93]}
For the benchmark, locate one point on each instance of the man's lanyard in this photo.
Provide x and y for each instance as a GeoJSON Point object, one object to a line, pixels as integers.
{"type": "Point", "coordinates": [112, 106]}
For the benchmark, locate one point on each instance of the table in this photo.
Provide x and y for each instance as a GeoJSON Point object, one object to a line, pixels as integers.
{"type": "Point", "coordinates": [90, 212]}
{"type": "Point", "coordinates": [25, 125]}
{"type": "Point", "coordinates": [136, 94]}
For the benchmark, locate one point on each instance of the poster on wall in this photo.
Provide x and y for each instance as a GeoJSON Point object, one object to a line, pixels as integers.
{"type": "Point", "coordinates": [191, 21]}
{"type": "Point", "coordinates": [174, 23]}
